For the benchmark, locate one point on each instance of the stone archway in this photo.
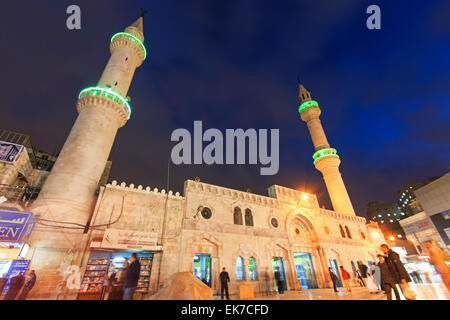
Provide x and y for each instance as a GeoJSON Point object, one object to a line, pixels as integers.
{"type": "Point", "coordinates": [303, 238]}
{"type": "Point", "coordinates": [205, 244]}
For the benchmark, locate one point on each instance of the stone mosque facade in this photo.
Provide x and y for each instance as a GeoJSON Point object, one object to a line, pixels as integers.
{"type": "Point", "coordinates": [205, 228]}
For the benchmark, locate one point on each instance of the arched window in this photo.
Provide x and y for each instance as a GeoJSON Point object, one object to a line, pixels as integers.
{"type": "Point", "coordinates": [248, 217]}
{"type": "Point", "coordinates": [342, 231]}
{"type": "Point", "coordinates": [237, 216]}
{"type": "Point", "coordinates": [252, 273]}
{"type": "Point", "coordinates": [348, 232]}
{"type": "Point", "coordinates": [240, 269]}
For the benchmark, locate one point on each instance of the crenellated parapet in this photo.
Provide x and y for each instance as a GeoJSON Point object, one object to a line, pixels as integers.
{"type": "Point", "coordinates": [194, 186]}
{"type": "Point", "coordinates": [140, 189]}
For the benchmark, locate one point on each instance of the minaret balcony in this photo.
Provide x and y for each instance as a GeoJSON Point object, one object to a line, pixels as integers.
{"type": "Point", "coordinates": [308, 104]}
{"type": "Point", "coordinates": [109, 95]}
{"type": "Point", "coordinates": [132, 38]}
{"type": "Point", "coordinates": [328, 152]}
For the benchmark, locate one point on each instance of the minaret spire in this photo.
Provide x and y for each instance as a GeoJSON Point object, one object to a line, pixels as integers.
{"type": "Point", "coordinates": [325, 158]}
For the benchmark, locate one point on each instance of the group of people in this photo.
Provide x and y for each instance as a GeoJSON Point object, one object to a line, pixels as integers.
{"type": "Point", "coordinates": [122, 284]}
{"type": "Point", "coordinates": [16, 283]}
{"type": "Point", "coordinates": [383, 275]}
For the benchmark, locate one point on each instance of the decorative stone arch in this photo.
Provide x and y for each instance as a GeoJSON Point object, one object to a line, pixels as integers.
{"type": "Point", "coordinates": [206, 244]}
{"type": "Point", "coordinates": [279, 249]}
{"type": "Point", "coordinates": [301, 219]}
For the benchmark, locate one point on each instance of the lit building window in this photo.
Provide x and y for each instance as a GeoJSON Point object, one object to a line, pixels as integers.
{"type": "Point", "coordinates": [252, 274]}
{"type": "Point", "coordinates": [240, 271]}
{"type": "Point", "coordinates": [391, 220]}
{"type": "Point", "coordinates": [389, 214]}
{"type": "Point", "coordinates": [403, 213]}
{"type": "Point", "coordinates": [399, 236]}
{"type": "Point", "coordinates": [379, 215]}
{"type": "Point", "coordinates": [382, 221]}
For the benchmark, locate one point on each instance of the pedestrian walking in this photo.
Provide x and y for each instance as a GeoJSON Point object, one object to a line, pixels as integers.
{"type": "Point", "coordinates": [398, 271]}
{"type": "Point", "coordinates": [374, 270]}
{"type": "Point", "coordinates": [359, 278]}
{"type": "Point", "coordinates": [388, 278]}
{"type": "Point", "coordinates": [29, 284]}
{"type": "Point", "coordinates": [345, 278]}
{"type": "Point", "coordinates": [15, 284]}
{"type": "Point", "coordinates": [131, 277]}
{"type": "Point", "coordinates": [279, 281]}
{"type": "Point", "coordinates": [334, 278]}
{"type": "Point", "coordinates": [267, 282]}
{"type": "Point", "coordinates": [224, 279]}
{"type": "Point", "coordinates": [363, 272]}
{"type": "Point", "coordinates": [438, 259]}
{"type": "Point", "coordinates": [118, 283]}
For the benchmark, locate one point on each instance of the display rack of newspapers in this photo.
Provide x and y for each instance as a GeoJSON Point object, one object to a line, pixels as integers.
{"type": "Point", "coordinates": [144, 276]}
{"type": "Point", "coordinates": [94, 276]}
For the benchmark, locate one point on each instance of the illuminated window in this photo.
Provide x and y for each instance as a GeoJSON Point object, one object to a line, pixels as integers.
{"type": "Point", "coordinates": [240, 269]}
{"type": "Point", "coordinates": [379, 215]}
{"type": "Point", "coordinates": [403, 213]}
{"type": "Point", "coordinates": [391, 220]}
{"type": "Point", "coordinates": [252, 274]}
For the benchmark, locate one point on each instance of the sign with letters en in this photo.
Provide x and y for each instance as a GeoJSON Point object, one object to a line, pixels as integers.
{"type": "Point", "coordinates": [15, 226]}
{"type": "Point", "coordinates": [128, 239]}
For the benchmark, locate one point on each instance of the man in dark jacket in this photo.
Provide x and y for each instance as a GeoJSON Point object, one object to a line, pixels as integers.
{"type": "Point", "coordinates": [399, 272]}
{"type": "Point", "coordinates": [363, 270]}
{"type": "Point", "coordinates": [278, 280]}
{"type": "Point", "coordinates": [224, 279]}
{"type": "Point", "coordinates": [29, 284]}
{"type": "Point", "coordinates": [15, 284]}
{"type": "Point", "coordinates": [387, 278]}
{"type": "Point", "coordinates": [131, 278]}
{"type": "Point", "coordinates": [334, 278]}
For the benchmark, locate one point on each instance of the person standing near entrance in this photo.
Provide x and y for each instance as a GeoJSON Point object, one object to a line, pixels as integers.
{"type": "Point", "coordinates": [29, 284]}
{"type": "Point", "coordinates": [131, 278]}
{"type": "Point", "coordinates": [346, 278]}
{"type": "Point", "coordinates": [374, 270]}
{"type": "Point", "coordinates": [279, 281]}
{"type": "Point", "coordinates": [334, 278]}
{"type": "Point", "coordinates": [224, 279]}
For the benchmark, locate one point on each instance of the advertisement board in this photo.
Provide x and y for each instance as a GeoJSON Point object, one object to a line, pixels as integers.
{"type": "Point", "coordinates": [17, 266]}
{"type": "Point", "coordinates": [128, 239]}
{"type": "Point", "coordinates": [9, 152]}
{"type": "Point", "coordinates": [15, 226]}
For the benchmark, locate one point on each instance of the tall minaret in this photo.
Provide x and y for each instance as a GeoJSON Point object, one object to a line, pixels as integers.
{"type": "Point", "coordinates": [68, 193]}
{"type": "Point", "coordinates": [325, 158]}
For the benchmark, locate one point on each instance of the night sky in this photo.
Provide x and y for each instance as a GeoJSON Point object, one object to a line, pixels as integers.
{"type": "Point", "coordinates": [384, 93]}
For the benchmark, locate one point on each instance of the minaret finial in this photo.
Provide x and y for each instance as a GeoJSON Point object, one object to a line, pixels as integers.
{"type": "Point", "coordinates": [143, 13]}
{"type": "Point", "coordinates": [303, 94]}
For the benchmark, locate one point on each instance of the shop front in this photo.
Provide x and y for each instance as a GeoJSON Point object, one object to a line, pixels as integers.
{"type": "Point", "coordinates": [106, 263]}
{"type": "Point", "coordinates": [15, 227]}
{"type": "Point", "coordinates": [305, 271]}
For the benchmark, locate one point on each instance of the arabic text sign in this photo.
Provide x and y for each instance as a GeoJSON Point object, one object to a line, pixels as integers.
{"type": "Point", "coordinates": [9, 151]}
{"type": "Point", "coordinates": [127, 239]}
{"type": "Point", "coordinates": [15, 225]}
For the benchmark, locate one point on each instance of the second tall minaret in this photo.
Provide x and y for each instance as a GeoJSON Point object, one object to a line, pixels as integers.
{"type": "Point", "coordinates": [325, 158]}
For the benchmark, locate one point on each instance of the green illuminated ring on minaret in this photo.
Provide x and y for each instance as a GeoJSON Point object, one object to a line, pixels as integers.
{"type": "Point", "coordinates": [127, 35]}
{"type": "Point", "coordinates": [109, 94]}
{"type": "Point", "coordinates": [308, 104]}
{"type": "Point", "coordinates": [324, 153]}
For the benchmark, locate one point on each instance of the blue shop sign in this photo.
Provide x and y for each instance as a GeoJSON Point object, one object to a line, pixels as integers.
{"type": "Point", "coordinates": [15, 226]}
{"type": "Point", "coordinates": [17, 267]}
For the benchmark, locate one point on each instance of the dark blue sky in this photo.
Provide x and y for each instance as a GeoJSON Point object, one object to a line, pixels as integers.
{"type": "Point", "coordinates": [233, 64]}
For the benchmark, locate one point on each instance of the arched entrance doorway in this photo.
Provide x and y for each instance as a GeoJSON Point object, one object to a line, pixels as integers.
{"type": "Point", "coordinates": [304, 256]}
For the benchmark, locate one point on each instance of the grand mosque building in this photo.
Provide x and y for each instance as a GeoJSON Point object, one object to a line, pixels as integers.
{"type": "Point", "coordinates": [83, 233]}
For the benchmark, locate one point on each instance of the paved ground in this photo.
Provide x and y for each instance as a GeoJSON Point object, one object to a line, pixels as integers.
{"type": "Point", "coordinates": [436, 291]}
